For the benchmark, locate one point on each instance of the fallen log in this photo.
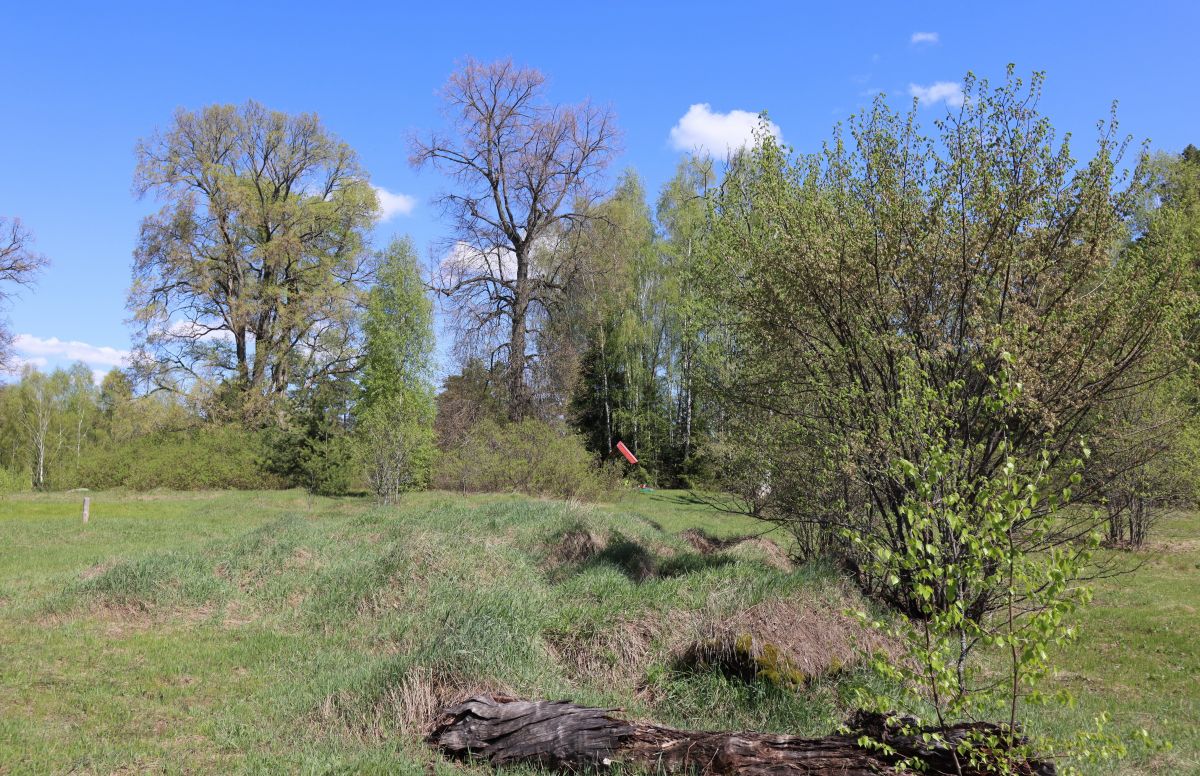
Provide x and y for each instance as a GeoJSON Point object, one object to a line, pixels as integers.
{"type": "Point", "coordinates": [567, 737]}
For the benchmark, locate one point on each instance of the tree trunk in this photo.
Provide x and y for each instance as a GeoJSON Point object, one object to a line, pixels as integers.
{"type": "Point", "coordinates": [608, 426]}
{"type": "Point", "coordinates": [567, 737]}
{"type": "Point", "coordinates": [517, 405]}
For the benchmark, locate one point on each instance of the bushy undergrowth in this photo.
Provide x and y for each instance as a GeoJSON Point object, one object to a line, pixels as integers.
{"type": "Point", "coordinates": [528, 457]}
{"type": "Point", "coordinates": [209, 457]}
{"type": "Point", "coordinates": [15, 481]}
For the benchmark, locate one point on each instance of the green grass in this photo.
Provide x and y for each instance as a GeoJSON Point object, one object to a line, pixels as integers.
{"type": "Point", "coordinates": [1137, 657]}
{"type": "Point", "coordinates": [277, 632]}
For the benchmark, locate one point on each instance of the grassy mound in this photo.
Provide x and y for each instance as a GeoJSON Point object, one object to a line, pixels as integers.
{"type": "Point", "coordinates": [351, 624]}
{"type": "Point", "coordinates": [276, 632]}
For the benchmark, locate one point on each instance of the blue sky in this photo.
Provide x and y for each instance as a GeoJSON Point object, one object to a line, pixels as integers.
{"type": "Point", "coordinates": [82, 84]}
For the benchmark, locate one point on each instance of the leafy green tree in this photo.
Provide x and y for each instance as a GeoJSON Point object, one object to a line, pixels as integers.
{"type": "Point", "coordinates": [636, 320]}
{"type": "Point", "coordinates": [116, 393]}
{"type": "Point", "coordinates": [395, 408]}
{"type": "Point", "coordinates": [251, 273]}
{"type": "Point", "coordinates": [310, 446]}
{"type": "Point", "coordinates": [830, 272]}
{"type": "Point", "coordinates": [44, 418]}
{"type": "Point", "coordinates": [466, 399]}
{"type": "Point", "coordinates": [683, 214]}
{"type": "Point", "coordinates": [82, 408]}
{"type": "Point", "coordinates": [621, 322]}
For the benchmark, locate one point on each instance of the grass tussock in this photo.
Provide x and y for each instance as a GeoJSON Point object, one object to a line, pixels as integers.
{"type": "Point", "coordinates": [783, 642]}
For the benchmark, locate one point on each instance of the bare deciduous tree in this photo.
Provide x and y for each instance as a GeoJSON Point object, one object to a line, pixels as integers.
{"type": "Point", "coordinates": [19, 265]}
{"type": "Point", "coordinates": [524, 168]}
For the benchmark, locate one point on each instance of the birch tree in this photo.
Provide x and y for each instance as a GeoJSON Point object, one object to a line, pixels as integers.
{"type": "Point", "coordinates": [42, 414]}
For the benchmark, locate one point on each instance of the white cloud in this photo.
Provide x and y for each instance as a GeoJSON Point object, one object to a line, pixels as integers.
{"type": "Point", "coordinates": [948, 91]}
{"type": "Point", "coordinates": [924, 37]}
{"type": "Point", "coordinates": [704, 131]}
{"type": "Point", "coordinates": [464, 261]}
{"type": "Point", "coordinates": [392, 205]}
{"type": "Point", "coordinates": [37, 362]}
{"type": "Point", "coordinates": [39, 351]}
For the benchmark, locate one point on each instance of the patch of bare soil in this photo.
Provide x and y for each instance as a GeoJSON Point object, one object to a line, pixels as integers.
{"type": "Point", "coordinates": [1171, 546]}
{"type": "Point", "coordinates": [783, 643]}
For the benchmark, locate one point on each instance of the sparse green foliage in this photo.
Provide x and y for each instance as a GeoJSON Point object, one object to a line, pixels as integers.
{"type": "Point", "coordinates": [978, 568]}
{"type": "Point", "coordinates": [525, 170]}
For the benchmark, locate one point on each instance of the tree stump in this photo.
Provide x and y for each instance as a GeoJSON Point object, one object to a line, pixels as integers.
{"type": "Point", "coordinates": [568, 737]}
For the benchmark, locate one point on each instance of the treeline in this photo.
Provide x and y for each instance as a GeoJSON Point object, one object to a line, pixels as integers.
{"type": "Point", "coordinates": [782, 328]}
{"type": "Point", "coordinates": [951, 359]}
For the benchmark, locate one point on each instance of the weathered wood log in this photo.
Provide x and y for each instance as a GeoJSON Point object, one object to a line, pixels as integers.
{"type": "Point", "coordinates": [564, 736]}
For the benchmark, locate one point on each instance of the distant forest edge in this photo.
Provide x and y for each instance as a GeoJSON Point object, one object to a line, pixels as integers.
{"type": "Point", "coordinates": [807, 333]}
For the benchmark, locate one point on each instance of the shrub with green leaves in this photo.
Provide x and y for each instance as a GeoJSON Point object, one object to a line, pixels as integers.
{"type": "Point", "coordinates": [978, 565]}
{"type": "Point", "coordinates": [15, 481]}
{"type": "Point", "coordinates": [531, 456]}
{"type": "Point", "coordinates": [204, 458]}
{"type": "Point", "coordinates": [396, 448]}
{"type": "Point", "coordinates": [942, 244]}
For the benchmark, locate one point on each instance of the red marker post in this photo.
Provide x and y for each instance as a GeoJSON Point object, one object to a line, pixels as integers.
{"type": "Point", "coordinates": [623, 450]}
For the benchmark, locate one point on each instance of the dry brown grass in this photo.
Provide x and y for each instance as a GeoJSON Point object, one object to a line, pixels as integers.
{"type": "Point", "coordinates": [618, 655]}
{"type": "Point", "coordinates": [406, 708]}
{"type": "Point", "coordinates": [789, 643]}
{"type": "Point", "coordinates": [575, 547]}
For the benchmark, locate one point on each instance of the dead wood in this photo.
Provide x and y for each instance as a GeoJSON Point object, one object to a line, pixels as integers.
{"type": "Point", "coordinates": [564, 736]}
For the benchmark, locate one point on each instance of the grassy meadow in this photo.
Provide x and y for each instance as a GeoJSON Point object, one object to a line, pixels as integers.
{"type": "Point", "coordinates": [272, 632]}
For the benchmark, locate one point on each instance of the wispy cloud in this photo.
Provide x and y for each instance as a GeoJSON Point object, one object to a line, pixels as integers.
{"type": "Point", "coordinates": [37, 362]}
{"type": "Point", "coordinates": [924, 37]}
{"type": "Point", "coordinates": [949, 92]}
{"type": "Point", "coordinates": [392, 205]}
{"type": "Point", "coordinates": [705, 131]}
{"type": "Point", "coordinates": [40, 352]}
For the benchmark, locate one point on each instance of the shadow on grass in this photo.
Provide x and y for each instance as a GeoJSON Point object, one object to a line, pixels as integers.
{"type": "Point", "coordinates": [640, 564]}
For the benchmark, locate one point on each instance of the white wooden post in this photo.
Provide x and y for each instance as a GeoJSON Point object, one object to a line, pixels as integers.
{"type": "Point", "coordinates": [87, 503]}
